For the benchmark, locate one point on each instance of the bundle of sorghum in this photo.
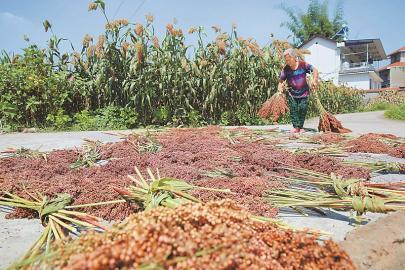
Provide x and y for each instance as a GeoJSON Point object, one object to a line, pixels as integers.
{"type": "Point", "coordinates": [327, 122]}
{"type": "Point", "coordinates": [217, 235]}
{"type": "Point", "coordinates": [276, 106]}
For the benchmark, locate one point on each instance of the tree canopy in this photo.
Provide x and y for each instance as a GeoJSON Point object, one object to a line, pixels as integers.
{"type": "Point", "coordinates": [314, 21]}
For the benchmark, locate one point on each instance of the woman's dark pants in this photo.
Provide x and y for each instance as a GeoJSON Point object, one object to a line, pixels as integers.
{"type": "Point", "coordinates": [298, 110]}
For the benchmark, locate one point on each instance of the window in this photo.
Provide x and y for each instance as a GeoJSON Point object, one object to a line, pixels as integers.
{"type": "Point", "coordinates": [395, 58]}
{"type": "Point", "coordinates": [400, 69]}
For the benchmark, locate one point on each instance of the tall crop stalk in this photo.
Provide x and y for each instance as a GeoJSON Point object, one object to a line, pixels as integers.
{"type": "Point", "coordinates": [163, 81]}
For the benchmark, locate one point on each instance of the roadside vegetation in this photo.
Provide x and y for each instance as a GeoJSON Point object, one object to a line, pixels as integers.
{"type": "Point", "coordinates": [392, 102]}
{"type": "Point", "coordinates": [126, 78]}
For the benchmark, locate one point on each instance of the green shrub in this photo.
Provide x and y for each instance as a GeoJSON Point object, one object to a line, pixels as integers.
{"type": "Point", "coordinates": [225, 119]}
{"type": "Point", "coordinates": [84, 120]}
{"type": "Point", "coordinates": [59, 121]}
{"type": "Point", "coordinates": [108, 118]}
{"type": "Point", "coordinates": [182, 117]}
{"type": "Point", "coordinates": [116, 118]}
{"type": "Point", "coordinates": [161, 116]}
{"type": "Point", "coordinates": [396, 112]}
{"type": "Point", "coordinates": [336, 99]}
{"type": "Point", "coordinates": [30, 90]}
{"type": "Point", "coordinates": [244, 117]}
{"type": "Point", "coordinates": [377, 106]}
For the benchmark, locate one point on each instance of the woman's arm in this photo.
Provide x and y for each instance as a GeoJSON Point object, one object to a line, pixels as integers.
{"type": "Point", "coordinates": [315, 81]}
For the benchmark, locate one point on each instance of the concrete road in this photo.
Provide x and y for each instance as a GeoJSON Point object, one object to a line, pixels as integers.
{"type": "Point", "coordinates": [366, 122]}
{"type": "Point", "coordinates": [51, 141]}
{"type": "Point", "coordinates": [16, 237]}
{"type": "Point", "coordinates": [359, 123]}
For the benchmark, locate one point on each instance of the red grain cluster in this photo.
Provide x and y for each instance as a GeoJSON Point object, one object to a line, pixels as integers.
{"type": "Point", "coordinates": [217, 235]}
{"type": "Point", "coordinates": [374, 143]}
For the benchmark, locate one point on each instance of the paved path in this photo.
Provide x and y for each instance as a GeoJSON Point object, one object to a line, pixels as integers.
{"type": "Point", "coordinates": [359, 123]}
{"type": "Point", "coordinates": [367, 122]}
{"type": "Point", "coordinates": [50, 141]}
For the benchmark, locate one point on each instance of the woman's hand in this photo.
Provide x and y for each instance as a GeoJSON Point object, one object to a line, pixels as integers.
{"type": "Point", "coordinates": [315, 85]}
{"type": "Point", "coordinates": [315, 80]}
{"type": "Point", "coordinates": [280, 87]}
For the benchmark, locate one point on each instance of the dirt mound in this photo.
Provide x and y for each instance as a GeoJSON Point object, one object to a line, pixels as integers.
{"type": "Point", "coordinates": [213, 236]}
{"type": "Point", "coordinates": [379, 245]}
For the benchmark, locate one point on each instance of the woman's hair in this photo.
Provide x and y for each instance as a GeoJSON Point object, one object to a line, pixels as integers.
{"type": "Point", "coordinates": [291, 52]}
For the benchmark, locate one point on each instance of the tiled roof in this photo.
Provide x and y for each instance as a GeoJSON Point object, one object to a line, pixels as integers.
{"type": "Point", "coordinates": [399, 50]}
{"type": "Point", "coordinates": [396, 64]}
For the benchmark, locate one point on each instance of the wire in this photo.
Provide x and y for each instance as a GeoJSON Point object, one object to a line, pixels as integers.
{"type": "Point", "coordinates": [137, 9]}
{"type": "Point", "coordinates": [119, 7]}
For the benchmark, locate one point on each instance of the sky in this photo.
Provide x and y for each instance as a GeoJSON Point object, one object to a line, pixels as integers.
{"type": "Point", "coordinates": [255, 18]}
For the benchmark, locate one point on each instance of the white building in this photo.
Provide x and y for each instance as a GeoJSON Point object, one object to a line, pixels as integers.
{"type": "Point", "coordinates": [394, 73]}
{"type": "Point", "coordinates": [350, 62]}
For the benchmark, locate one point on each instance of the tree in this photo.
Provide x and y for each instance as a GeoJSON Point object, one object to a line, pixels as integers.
{"type": "Point", "coordinates": [315, 21]}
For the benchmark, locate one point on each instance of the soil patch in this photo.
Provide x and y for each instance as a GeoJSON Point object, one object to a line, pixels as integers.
{"type": "Point", "coordinates": [379, 245]}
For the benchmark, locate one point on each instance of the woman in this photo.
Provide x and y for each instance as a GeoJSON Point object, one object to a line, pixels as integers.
{"type": "Point", "coordinates": [295, 72]}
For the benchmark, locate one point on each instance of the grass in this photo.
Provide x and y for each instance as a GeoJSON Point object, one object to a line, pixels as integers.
{"type": "Point", "coordinates": [392, 111]}
{"type": "Point", "coordinates": [396, 112]}
{"type": "Point", "coordinates": [378, 106]}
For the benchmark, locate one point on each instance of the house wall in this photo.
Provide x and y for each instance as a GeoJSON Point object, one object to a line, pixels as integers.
{"type": "Point", "coordinates": [325, 56]}
{"type": "Point", "coordinates": [385, 76]}
{"type": "Point", "coordinates": [374, 84]}
{"type": "Point", "coordinates": [358, 80]}
{"type": "Point", "coordinates": [355, 80]}
{"type": "Point", "coordinates": [397, 77]}
{"type": "Point", "coordinates": [398, 57]}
